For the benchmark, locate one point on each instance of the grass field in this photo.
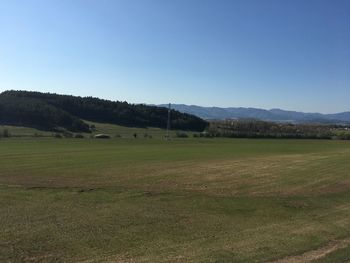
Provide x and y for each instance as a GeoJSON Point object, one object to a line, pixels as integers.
{"type": "Point", "coordinates": [111, 129]}
{"type": "Point", "coordinates": [190, 200]}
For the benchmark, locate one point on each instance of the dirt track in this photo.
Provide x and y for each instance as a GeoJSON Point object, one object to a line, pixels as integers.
{"type": "Point", "coordinates": [317, 253]}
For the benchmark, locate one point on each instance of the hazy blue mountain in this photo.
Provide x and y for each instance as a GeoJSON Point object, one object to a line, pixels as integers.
{"type": "Point", "coordinates": [217, 113]}
{"type": "Point", "coordinates": [343, 116]}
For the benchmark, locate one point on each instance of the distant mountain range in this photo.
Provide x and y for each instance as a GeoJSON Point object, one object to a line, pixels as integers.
{"type": "Point", "coordinates": [277, 115]}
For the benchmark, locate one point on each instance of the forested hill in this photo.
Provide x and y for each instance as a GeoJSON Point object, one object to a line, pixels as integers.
{"type": "Point", "coordinates": [49, 111]}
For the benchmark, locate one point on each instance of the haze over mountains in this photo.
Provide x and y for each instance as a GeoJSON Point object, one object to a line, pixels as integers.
{"type": "Point", "coordinates": [217, 113]}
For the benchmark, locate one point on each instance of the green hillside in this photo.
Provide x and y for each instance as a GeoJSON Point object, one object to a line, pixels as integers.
{"type": "Point", "coordinates": [51, 111]}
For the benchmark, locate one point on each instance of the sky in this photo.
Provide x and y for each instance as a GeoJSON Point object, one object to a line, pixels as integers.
{"type": "Point", "coordinates": [289, 54]}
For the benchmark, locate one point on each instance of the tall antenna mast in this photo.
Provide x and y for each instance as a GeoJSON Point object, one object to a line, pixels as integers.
{"type": "Point", "coordinates": [168, 124]}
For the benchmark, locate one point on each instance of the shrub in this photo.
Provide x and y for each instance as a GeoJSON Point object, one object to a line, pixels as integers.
{"type": "Point", "coordinates": [181, 135]}
{"type": "Point", "coordinates": [102, 136]}
{"type": "Point", "coordinates": [344, 136]}
{"type": "Point", "coordinates": [58, 136]}
{"type": "Point", "coordinates": [68, 134]}
{"type": "Point", "coordinates": [79, 136]}
{"type": "Point", "coordinates": [6, 133]}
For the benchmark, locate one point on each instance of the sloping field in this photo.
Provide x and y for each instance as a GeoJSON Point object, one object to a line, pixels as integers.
{"type": "Point", "coordinates": [106, 128]}
{"type": "Point", "coordinates": [203, 200]}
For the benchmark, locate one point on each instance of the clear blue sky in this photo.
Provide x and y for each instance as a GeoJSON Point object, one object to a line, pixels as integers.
{"type": "Point", "coordinates": [290, 54]}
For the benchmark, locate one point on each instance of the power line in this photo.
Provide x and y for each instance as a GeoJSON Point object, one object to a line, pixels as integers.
{"type": "Point", "coordinates": [168, 123]}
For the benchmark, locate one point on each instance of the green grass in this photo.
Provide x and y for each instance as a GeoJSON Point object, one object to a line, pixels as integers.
{"type": "Point", "coordinates": [115, 131]}
{"type": "Point", "coordinates": [190, 200]}
{"type": "Point", "coordinates": [19, 131]}
{"type": "Point", "coordinates": [128, 132]}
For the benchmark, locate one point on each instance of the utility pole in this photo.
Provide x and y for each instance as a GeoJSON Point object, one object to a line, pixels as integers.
{"type": "Point", "coordinates": [168, 124]}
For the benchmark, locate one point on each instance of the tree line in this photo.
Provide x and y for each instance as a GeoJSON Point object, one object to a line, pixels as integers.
{"type": "Point", "coordinates": [263, 129]}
